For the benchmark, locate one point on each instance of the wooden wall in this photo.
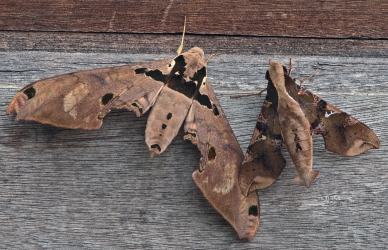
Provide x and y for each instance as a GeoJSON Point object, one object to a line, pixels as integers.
{"type": "Point", "coordinates": [65, 189]}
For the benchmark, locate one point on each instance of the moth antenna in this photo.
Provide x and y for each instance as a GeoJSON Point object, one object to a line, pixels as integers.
{"type": "Point", "coordinates": [238, 96]}
{"type": "Point", "coordinates": [215, 54]}
{"type": "Point", "coordinates": [180, 48]}
{"type": "Point", "coordinates": [303, 80]}
{"type": "Point", "coordinates": [291, 67]}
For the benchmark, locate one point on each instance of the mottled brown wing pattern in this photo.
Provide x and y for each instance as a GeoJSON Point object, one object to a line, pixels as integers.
{"type": "Point", "coordinates": [263, 161]}
{"type": "Point", "coordinates": [220, 162]}
{"type": "Point", "coordinates": [343, 134]}
{"type": "Point", "coordinates": [178, 92]}
{"type": "Point", "coordinates": [74, 100]}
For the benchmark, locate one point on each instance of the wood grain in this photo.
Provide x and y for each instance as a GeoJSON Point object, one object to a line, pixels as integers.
{"type": "Point", "coordinates": [71, 189]}
{"type": "Point", "coordinates": [162, 43]}
{"type": "Point", "coordinates": [300, 18]}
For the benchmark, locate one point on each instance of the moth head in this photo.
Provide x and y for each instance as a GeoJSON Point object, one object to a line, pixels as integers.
{"type": "Point", "coordinates": [188, 64]}
{"type": "Point", "coordinates": [197, 51]}
{"type": "Point", "coordinates": [275, 67]}
{"type": "Point", "coordinates": [276, 74]}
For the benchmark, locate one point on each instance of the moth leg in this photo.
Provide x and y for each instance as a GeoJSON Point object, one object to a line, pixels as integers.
{"type": "Point", "coordinates": [305, 79]}
{"type": "Point", "coordinates": [238, 96]}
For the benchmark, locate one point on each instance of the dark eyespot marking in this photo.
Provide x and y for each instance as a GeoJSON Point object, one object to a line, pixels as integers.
{"type": "Point", "coordinates": [178, 83]}
{"type": "Point", "coordinates": [164, 126]}
{"type": "Point", "coordinates": [180, 65]}
{"type": "Point", "coordinates": [298, 147]}
{"type": "Point", "coordinates": [277, 137]}
{"type": "Point", "coordinates": [202, 72]}
{"type": "Point", "coordinates": [134, 104]}
{"type": "Point", "coordinates": [204, 100]}
{"type": "Point", "coordinates": [30, 92]}
{"type": "Point", "coordinates": [253, 211]}
{"type": "Point", "coordinates": [322, 104]}
{"type": "Point", "coordinates": [156, 146]}
{"type": "Point", "coordinates": [199, 76]}
{"type": "Point", "coordinates": [106, 98]}
{"type": "Point", "coordinates": [215, 110]}
{"type": "Point", "coordinates": [169, 115]}
{"type": "Point", "coordinates": [193, 134]}
{"type": "Point", "coordinates": [156, 74]}
{"type": "Point", "coordinates": [211, 155]}
{"type": "Point", "coordinates": [141, 70]}
{"type": "Point", "coordinates": [259, 126]}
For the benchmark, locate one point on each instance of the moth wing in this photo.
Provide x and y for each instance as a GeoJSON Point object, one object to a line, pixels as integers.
{"type": "Point", "coordinates": [343, 134]}
{"type": "Point", "coordinates": [263, 162]}
{"type": "Point", "coordinates": [75, 100]}
{"type": "Point", "coordinates": [217, 178]}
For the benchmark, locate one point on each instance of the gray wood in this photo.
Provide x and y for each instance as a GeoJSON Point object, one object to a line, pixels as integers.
{"type": "Point", "coordinates": [71, 189]}
{"type": "Point", "coordinates": [164, 43]}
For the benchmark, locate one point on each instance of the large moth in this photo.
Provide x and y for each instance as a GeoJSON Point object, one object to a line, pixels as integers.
{"type": "Point", "coordinates": [290, 116]}
{"type": "Point", "coordinates": [180, 94]}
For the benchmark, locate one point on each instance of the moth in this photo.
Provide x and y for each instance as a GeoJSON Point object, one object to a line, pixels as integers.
{"type": "Point", "coordinates": [290, 116]}
{"type": "Point", "coordinates": [179, 93]}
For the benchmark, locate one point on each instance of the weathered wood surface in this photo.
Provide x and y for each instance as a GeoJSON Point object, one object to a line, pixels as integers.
{"type": "Point", "coordinates": [72, 189]}
{"type": "Point", "coordinates": [298, 18]}
{"type": "Point", "coordinates": [159, 44]}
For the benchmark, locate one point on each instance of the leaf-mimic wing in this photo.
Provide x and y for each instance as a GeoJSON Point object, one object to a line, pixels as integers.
{"type": "Point", "coordinates": [263, 161]}
{"type": "Point", "coordinates": [75, 100]}
{"type": "Point", "coordinates": [343, 134]}
{"type": "Point", "coordinates": [207, 127]}
{"type": "Point", "coordinates": [177, 92]}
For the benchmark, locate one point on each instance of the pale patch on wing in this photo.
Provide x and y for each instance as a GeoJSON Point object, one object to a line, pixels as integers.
{"type": "Point", "coordinates": [87, 119]}
{"type": "Point", "coordinates": [329, 113]}
{"type": "Point", "coordinates": [261, 138]}
{"type": "Point", "coordinates": [72, 98]}
{"type": "Point", "coordinates": [228, 180]}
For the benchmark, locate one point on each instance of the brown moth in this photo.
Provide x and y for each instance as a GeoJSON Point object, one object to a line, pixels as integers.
{"type": "Point", "coordinates": [179, 93]}
{"type": "Point", "coordinates": [290, 116]}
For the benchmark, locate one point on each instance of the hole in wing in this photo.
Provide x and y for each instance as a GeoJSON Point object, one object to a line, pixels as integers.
{"type": "Point", "coordinates": [30, 92]}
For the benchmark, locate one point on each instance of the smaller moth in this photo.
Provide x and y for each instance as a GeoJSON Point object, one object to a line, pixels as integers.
{"type": "Point", "coordinates": [290, 116]}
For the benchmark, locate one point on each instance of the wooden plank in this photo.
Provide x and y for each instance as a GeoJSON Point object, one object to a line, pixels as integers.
{"type": "Point", "coordinates": [159, 43]}
{"type": "Point", "coordinates": [71, 189]}
{"type": "Point", "coordinates": [300, 18]}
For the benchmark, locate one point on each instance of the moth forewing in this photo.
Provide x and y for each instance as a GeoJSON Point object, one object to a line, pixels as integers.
{"type": "Point", "coordinates": [295, 128]}
{"type": "Point", "coordinates": [220, 164]}
{"type": "Point", "coordinates": [290, 115]}
{"type": "Point", "coordinates": [179, 92]}
{"type": "Point", "coordinates": [175, 99]}
{"type": "Point", "coordinates": [165, 119]}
